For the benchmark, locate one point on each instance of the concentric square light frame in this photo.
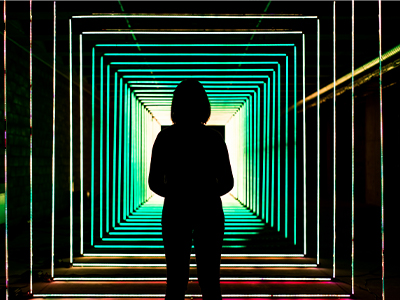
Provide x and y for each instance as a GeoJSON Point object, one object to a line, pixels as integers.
{"type": "Point", "coordinates": [81, 144]}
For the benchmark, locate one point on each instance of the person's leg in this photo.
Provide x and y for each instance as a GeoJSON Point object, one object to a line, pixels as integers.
{"type": "Point", "coordinates": [177, 238]}
{"type": "Point", "coordinates": [208, 236]}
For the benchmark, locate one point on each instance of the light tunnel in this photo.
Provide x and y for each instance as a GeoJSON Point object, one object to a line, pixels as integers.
{"type": "Point", "coordinates": [135, 99]}
{"type": "Point", "coordinates": [250, 95]}
{"type": "Point", "coordinates": [258, 102]}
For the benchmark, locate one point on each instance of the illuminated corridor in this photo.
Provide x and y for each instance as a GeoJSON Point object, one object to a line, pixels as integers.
{"type": "Point", "coordinates": [303, 95]}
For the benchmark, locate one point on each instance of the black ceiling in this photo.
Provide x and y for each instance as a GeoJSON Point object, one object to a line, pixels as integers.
{"type": "Point", "coordinates": [366, 29]}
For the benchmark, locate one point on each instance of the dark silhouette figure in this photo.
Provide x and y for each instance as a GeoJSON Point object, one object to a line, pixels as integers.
{"type": "Point", "coordinates": [190, 167]}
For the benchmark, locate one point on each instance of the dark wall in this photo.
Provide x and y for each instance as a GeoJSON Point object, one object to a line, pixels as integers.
{"type": "Point", "coordinates": [18, 135]}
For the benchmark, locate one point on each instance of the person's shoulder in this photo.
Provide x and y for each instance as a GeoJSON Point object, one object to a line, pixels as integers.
{"type": "Point", "coordinates": [214, 133]}
{"type": "Point", "coordinates": [165, 133]}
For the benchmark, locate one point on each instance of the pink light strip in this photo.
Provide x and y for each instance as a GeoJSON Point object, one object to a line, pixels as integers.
{"type": "Point", "coordinates": [199, 296]}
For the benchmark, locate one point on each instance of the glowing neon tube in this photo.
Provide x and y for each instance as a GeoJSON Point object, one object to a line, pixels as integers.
{"type": "Point", "coordinates": [199, 295]}
{"type": "Point", "coordinates": [190, 54]}
{"type": "Point", "coordinates": [108, 154]}
{"type": "Point", "coordinates": [132, 206]}
{"type": "Point", "coordinates": [124, 194]}
{"type": "Point", "coordinates": [70, 144]}
{"type": "Point", "coordinates": [381, 148]}
{"type": "Point", "coordinates": [193, 45]}
{"type": "Point", "coordinates": [304, 156]}
{"type": "Point", "coordinates": [101, 146]}
{"type": "Point", "coordinates": [192, 255]}
{"type": "Point", "coordinates": [334, 142]}
{"type": "Point", "coordinates": [115, 146]}
{"type": "Point", "coordinates": [194, 265]}
{"type": "Point", "coordinates": [5, 153]}
{"type": "Point", "coordinates": [318, 145]}
{"type": "Point", "coordinates": [92, 160]}
{"type": "Point", "coordinates": [119, 151]}
{"type": "Point", "coordinates": [198, 62]}
{"type": "Point", "coordinates": [352, 150]}
{"type": "Point", "coordinates": [295, 148]}
{"type": "Point", "coordinates": [53, 148]}
{"type": "Point", "coordinates": [30, 154]}
{"type": "Point", "coordinates": [286, 152]}
{"type": "Point", "coordinates": [81, 143]}
{"type": "Point", "coordinates": [191, 16]}
{"type": "Point", "coordinates": [273, 154]}
{"type": "Point", "coordinates": [190, 278]}
{"type": "Point", "coordinates": [128, 143]}
{"type": "Point", "coordinates": [192, 32]}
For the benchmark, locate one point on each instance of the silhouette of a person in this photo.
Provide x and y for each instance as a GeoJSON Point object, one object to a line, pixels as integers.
{"type": "Point", "coordinates": [190, 167]}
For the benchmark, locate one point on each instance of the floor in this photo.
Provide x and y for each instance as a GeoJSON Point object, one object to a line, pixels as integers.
{"type": "Point", "coordinates": [241, 277]}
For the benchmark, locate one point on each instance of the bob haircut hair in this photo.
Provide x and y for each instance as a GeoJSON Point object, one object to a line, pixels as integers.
{"type": "Point", "coordinates": [190, 103]}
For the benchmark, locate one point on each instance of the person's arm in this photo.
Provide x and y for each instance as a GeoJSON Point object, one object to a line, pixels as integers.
{"type": "Point", "coordinates": [224, 171]}
{"type": "Point", "coordinates": [157, 172]}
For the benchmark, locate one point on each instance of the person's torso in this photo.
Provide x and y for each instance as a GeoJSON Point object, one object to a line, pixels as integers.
{"type": "Point", "coordinates": [191, 156]}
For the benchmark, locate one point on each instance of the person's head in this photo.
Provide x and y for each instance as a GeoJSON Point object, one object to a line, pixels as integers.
{"type": "Point", "coordinates": [190, 103]}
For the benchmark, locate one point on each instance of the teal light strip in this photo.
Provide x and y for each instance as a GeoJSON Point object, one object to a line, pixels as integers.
{"type": "Point", "coordinates": [115, 146]}
{"type": "Point", "coordinates": [125, 131]}
{"type": "Point", "coordinates": [192, 32]}
{"type": "Point", "coordinates": [128, 143]}
{"type": "Point", "coordinates": [304, 155]}
{"type": "Point", "coordinates": [193, 76]}
{"type": "Point", "coordinates": [267, 171]}
{"type": "Point", "coordinates": [286, 151]}
{"type": "Point", "coordinates": [295, 150]}
{"type": "Point", "coordinates": [194, 54]}
{"type": "Point", "coordinates": [108, 154]}
{"type": "Point", "coordinates": [195, 70]}
{"type": "Point", "coordinates": [273, 156]}
{"type": "Point", "coordinates": [132, 159]}
{"type": "Point", "coordinates": [201, 81]}
{"type": "Point", "coordinates": [198, 62]}
{"type": "Point", "coordinates": [101, 146]}
{"type": "Point", "coordinates": [278, 179]}
{"type": "Point", "coordinates": [92, 157]}
{"type": "Point", "coordinates": [119, 151]}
